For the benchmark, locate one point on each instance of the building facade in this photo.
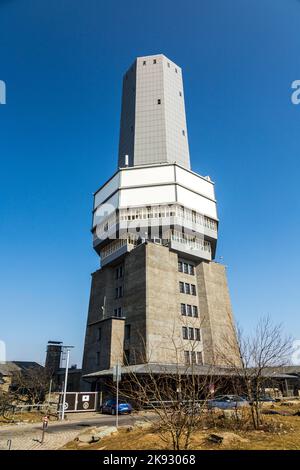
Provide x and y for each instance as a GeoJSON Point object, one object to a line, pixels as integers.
{"type": "Point", "coordinates": [158, 296]}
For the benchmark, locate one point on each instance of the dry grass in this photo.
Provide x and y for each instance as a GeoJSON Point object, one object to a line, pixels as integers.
{"type": "Point", "coordinates": [280, 433]}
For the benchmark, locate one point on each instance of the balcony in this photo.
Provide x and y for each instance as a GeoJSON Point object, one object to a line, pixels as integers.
{"type": "Point", "coordinates": [115, 249]}
{"type": "Point", "coordinates": [192, 247]}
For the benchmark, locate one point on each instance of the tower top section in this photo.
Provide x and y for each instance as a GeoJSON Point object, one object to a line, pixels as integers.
{"type": "Point", "coordinates": [153, 123]}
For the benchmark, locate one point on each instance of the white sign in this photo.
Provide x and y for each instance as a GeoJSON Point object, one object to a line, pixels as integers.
{"type": "Point", "coordinates": [85, 398]}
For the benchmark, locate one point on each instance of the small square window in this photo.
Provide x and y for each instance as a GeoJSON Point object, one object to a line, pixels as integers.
{"type": "Point", "coordinates": [158, 101]}
{"type": "Point", "coordinates": [187, 357]}
{"type": "Point", "coordinates": [187, 288]}
{"type": "Point", "coordinates": [199, 358]}
{"type": "Point", "coordinates": [195, 311]}
{"type": "Point", "coordinates": [184, 332]}
{"type": "Point", "coordinates": [144, 62]}
{"type": "Point", "coordinates": [154, 61]}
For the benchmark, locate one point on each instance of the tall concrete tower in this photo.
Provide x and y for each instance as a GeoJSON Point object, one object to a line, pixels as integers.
{"type": "Point", "coordinates": [158, 296]}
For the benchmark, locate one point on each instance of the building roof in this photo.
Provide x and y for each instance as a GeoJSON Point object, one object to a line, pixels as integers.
{"type": "Point", "coordinates": [172, 369]}
{"type": "Point", "coordinates": [9, 367]}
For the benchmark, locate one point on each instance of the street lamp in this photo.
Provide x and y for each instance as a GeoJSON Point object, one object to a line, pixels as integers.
{"type": "Point", "coordinates": [66, 348]}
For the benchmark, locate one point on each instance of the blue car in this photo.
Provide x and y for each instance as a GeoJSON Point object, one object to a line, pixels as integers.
{"type": "Point", "coordinates": [227, 402]}
{"type": "Point", "coordinates": [110, 407]}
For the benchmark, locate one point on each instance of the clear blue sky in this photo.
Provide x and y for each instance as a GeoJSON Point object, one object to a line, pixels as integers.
{"type": "Point", "coordinates": [62, 61]}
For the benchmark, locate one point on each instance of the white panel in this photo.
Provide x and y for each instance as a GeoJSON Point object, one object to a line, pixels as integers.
{"type": "Point", "coordinates": [149, 196]}
{"type": "Point", "coordinates": [195, 182]}
{"type": "Point", "coordinates": [105, 209]}
{"type": "Point", "coordinates": [154, 175]}
{"type": "Point", "coordinates": [195, 201]}
{"type": "Point", "coordinates": [107, 190]}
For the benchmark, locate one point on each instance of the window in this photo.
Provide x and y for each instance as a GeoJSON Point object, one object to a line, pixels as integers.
{"type": "Point", "coordinates": [119, 272]}
{"type": "Point", "coordinates": [158, 101]}
{"type": "Point", "coordinates": [199, 358]}
{"type": "Point", "coordinates": [191, 270]}
{"type": "Point", "coordinates": [181, 287]}
{"type": "Point", "coordinates": [187, 357]}
{"type": "Point", "coordinates": [197, 334]}
{"type": "Point", "coordinates": [183, 132]}
{"type": "Point", "coordinates": [191, 333]}
{"type": "Point", "coordinates": [126, 356]}
{"type": "Point", "coordinates": [144, 62]}
{"type": "Point", "coordinates": [97, 358]}
{"type": "Point", "coordinates": [119, 292]}
{"type": "Point", "coordinates": [193, 289]}
{"type": "Point", "coordinates": [183, 309]}
{"type": "Point", "coordinates": [154, 61]}
{"type": "Point", "coordinates": [185, 268]}
{"type": "Point", "coordinates": [189, 310]}
{"type": "Point", "coordinates": [195, 311]}
{"type": "Point", "coordinates": [118, 312]}
{"type": "Point", "coordinates": [180, 266]}
{"type": "Point", "coordinates": [187, 288]}
{"type": "Point", "coordinates": [184, 332]}
{"type": "Point", "coordinates": [99, 334]}
{"type": "Point", "coordinates": [175, 70]}
{"type": "Point", "coordinates": [169, 64]}
{"type": "Point", "coordinates": [180, 94]}
{"type": "Point", "coordinates": [193, 356]}
{"type": "Point", "coordinates": [127, 332]}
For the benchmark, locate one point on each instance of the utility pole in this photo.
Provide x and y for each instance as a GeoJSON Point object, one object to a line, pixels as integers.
{"type": "Point", "coordinates": [66, 381]}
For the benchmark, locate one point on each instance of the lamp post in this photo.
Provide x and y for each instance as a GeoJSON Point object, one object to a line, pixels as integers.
{"type": "Point", "coordinates": [67, 348]}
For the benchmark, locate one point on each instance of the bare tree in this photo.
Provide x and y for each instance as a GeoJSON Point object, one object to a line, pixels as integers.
{"type": "Point", "coordinates": [32, 384]}
{"type": "Point", "coordinates": [177, 393]}
{"type": "Point", "coordinates": [266, 348]}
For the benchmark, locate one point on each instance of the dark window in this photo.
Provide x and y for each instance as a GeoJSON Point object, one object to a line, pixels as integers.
{"type": "Point", "coordinates": [193, 354]}
{"type": "Point", "coordinates": [187, 288]}
{"type": "Point", "coordinates": [154, 61]}
{"type": "Point", "coordinates": [181, 287]}
{"type": "Point", "coordinates": [120, 291]}
{"type": "Point", "coordinates": [195, 311]}
{"type": "Point", "coordinates": [97, 358]}
{"type": "Point", "coordinates": [99, 334]}
{"type": "Point", "coordinates": [199, 358]}
{"type": "Point", "coordinates": [180, 94]}
{"type": "Point", "coordinates": [158, 101]}
{"type": "Point", "coordinates": [189, 310]}
{"type": "Point", "coordinates": [191, 269]}
{"type": "Point", "coordinates": [182, 308]}
{"type": "Point", "coordinates": [115, 312]}
{"type": "Point", "coordinates": [120, 313]}
{"type": "Point", "coordinates": [187, 357]}
{"type": "Point", "coordinates": [184, 332]}
{"type": "Point", "coordinates": [183, 132]}
{"type": "Point", "coordinates": [168, 64]}
{"type": "Point", "coordinates": [180, 266]}
{"type": "Point", "coordinates": [127, 332]}
{"type": "Point", "coordinates": [197, 334]}
{"type": "Point", "coordinates": [144, 62]}
{"type": "Point", "coordinates": [191, 333]}
{"type": "Point", "coordinates": [185, 268]}
{"type": "Point", "coordinates": [175, 70]}
{"type": "Point", "coordinates": [117, 292]}
{"type": "Point", "coordinates": [126, 356]}
{"type": "Point", "coordinates": [193, 289]}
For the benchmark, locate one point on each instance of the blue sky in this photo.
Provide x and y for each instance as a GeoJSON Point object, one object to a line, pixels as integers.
{"type": "Point", "coordinates": [62, 61]}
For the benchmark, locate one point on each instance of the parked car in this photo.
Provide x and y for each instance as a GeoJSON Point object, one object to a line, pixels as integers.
{"type": "Point", "coordinates": [227, 402]}
{"type": "Point", "coordinates": [110, 407]}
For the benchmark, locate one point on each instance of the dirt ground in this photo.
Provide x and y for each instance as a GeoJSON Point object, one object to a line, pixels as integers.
{"type": "Point", "coordinates": [281, 433]}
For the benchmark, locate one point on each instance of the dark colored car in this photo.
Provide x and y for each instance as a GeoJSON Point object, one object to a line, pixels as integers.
{"type": "Point", "coordinates": [227, 402]}
{"type": "Point", "coordinates": [110, 407]}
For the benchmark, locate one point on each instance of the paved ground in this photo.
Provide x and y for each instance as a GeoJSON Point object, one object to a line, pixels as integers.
{"type": "Point", "coordinates": [28, 436]}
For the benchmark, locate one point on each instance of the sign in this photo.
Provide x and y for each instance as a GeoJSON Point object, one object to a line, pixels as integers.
{"type": "Point", "coordinates": [79, 401]}
{"type": "Point", "coordinates": [117, 373]}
